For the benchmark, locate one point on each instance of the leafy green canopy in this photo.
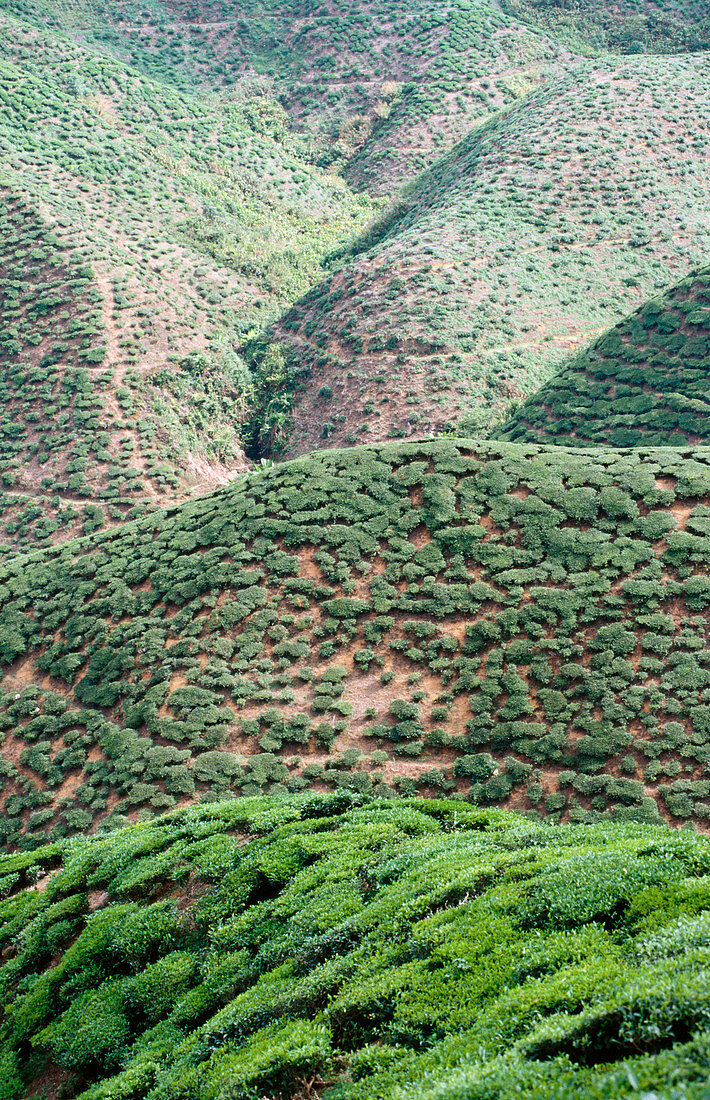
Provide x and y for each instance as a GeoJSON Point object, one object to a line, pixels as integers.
{"type": "Point", "coordinates": [417, 950]}
{"type": "Point", "coordinates": [516, 625]}
{"type": "Point", "coordinates": [645, 382]}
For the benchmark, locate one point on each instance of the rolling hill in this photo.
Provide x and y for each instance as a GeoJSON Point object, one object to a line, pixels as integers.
{"type": "Point", "coordinates": [338, 947]}
{"type": "Point", "coordinates": [645, 383]}
{"type": "Point", "coordinates": [532, 236]}
{"type": "Point", "coordinates": [144, 234]}
{"type": "Point", "coordinates": [522, 626]}
{"type": "Point", "coordinates": [381, 87]}
{"type": "Point", "coordinates": [380, 772]}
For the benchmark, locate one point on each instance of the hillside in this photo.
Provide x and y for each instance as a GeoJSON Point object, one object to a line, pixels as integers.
{"type": "Point", "coordinates": [354, 550]}
{"type": "Point", "coordinates": [381, 87]}
{"type": "Point", "coordinates": [645, 383]}
{"type": "Point", "coordinates": [524, 626]}
{"type": "Point", "coordinates": [144, 234]}
{"type": "Point", "coordinates": [630, 26]}
{"type": "Point", "coordinates": [533, 236]}
{"type": "Point", "coordinates": [346, 949]}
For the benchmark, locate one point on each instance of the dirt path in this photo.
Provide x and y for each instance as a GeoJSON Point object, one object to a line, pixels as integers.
{"type": "Point", "coordinates": [564, 337]}
{"type": "Point", "coordinates": [114, 354]}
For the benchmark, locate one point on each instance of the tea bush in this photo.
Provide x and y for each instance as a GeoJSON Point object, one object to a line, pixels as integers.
{"type": "Point", "coordinates": [521, 625]}
{"type": "Point", "coordinates": [369, 949]}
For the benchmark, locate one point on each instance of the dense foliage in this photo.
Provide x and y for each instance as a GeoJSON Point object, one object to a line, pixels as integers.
{"type": "Point", "coordinates": [519, 626]}
{"type": "Point", "coordinates": [630, 26]}
{"type": "Point", "coordinates": [354, 950]}
{"type": "Point", "coordinates": [647, 382]}
{"type": "Point", "coordinates": [533, 236]}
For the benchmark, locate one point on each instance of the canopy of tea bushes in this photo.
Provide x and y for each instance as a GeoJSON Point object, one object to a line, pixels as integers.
{"type": "Point", "coordinates": [516, 625]}
{"type": "Point", "coordinates": [645, 382]}
{"type": "Point", "coordinates": [340, 947]}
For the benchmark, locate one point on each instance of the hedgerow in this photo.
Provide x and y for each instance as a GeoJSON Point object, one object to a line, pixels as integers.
{"type": "Point", "coordinates": [361, 948]}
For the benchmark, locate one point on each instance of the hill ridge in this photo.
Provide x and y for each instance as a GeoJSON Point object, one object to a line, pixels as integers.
{"type": "Point", "coordinates": [521, 625]}
{"type": "Point", "coordinates": [397, 339]}
{"type": "Point", "coordinates": [644, 382]}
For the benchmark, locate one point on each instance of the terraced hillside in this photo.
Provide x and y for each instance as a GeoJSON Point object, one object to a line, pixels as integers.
{"type": "Point", "coordinates": [384, 87]}
{"type": "Point", "coordinates": [338, 947]}
{"type": "Point", "coordinates": [196, 224]}
{"type": "Point", "coordinates": [532, 237]}
{"type": "Point", "coordinates": [647, 382]}
{"type": "Point", "coordinates": [525, 627]}
{"type": "Point", "coordinates": [631, 26]}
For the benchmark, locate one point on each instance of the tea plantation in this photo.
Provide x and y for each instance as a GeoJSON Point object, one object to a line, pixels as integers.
{"type": "Point", "coordinates": [519, 626]}
{"type": "Point", "coordinates": [349, 949]}
{"type": "Point", "coordinates": [354, 550]}
{"type": "Point", "coordinates": [380, 87]}
{"type": "Point", "coordinates": [535, 234]}
{"type": "Point", "coordinates": [143, 234]}
{"type": "Point", "coordinates": [644, 383]}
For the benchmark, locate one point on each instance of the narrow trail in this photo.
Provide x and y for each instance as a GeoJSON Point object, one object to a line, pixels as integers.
{"type": "Point", "coordinates": [562, 337]}
{"type": "Point", "coordinates": [113, 413]}
{"type": "Point", "coordinates": [113, 348]}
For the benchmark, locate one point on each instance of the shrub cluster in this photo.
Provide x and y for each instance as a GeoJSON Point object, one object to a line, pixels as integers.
{"type": "Point", "coordinates": [372, 949]}
{"type": "Point", "coordinates": [520, 626]}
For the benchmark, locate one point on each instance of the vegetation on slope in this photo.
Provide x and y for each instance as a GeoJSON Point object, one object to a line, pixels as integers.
{"type": "Point", "coordinates": [382, 86]}
{"type": "Point", "coordinates": [532, 236]}
{"type": "Point", "coordinates": [520, 626]}
{"type": "Point", "coordinates": [647, 382]}
{"type": "Point", "coordinates": [630, 26]}
{"type": "Point", "coordinates": [84, 438]}
{"type": "Point", "coordinates": [197, 223]}
{"type": "Point", "coordinates": [341, 948]}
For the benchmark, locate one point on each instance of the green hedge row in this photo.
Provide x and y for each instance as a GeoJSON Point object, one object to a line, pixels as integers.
{"type": "Point", "coordinates": [369, 950]}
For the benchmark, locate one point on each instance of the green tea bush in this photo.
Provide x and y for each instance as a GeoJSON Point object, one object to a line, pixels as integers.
{"type": "Point", "coordinates": [380, 948]}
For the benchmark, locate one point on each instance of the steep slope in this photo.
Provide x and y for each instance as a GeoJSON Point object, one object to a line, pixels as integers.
{"type": "Point", "coordinates": [532, 236]}
{"type": "Point", "coordinates": [383, 86]}
{"type": "Point", "coordinates": [338, 947]}
{"type": "Point", "coordinates": [631, 26]}
{"type": "Point", "coordinates": [196, 224]}
{"type": "Point", "coordinates": [83, 439]}
{"type": "Point", "coordinates": [525, 626]}
{"type": "Point", "coordinates": [647, 382]}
